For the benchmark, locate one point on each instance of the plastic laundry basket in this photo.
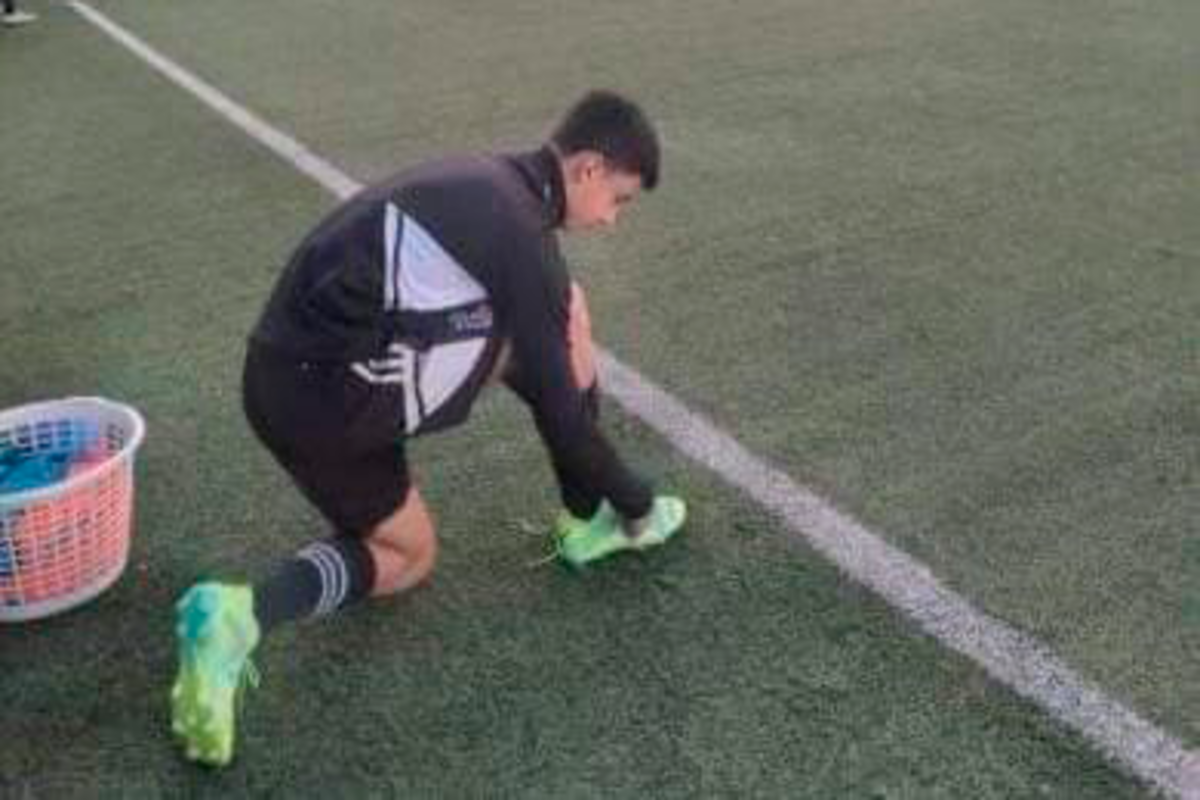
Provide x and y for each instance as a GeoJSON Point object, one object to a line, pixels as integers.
{"type": "Point", "coordinates": [64, 543]}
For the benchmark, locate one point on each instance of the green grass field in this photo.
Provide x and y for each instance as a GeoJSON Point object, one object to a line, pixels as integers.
{"type": "Point", "coordinates": [938, 260]}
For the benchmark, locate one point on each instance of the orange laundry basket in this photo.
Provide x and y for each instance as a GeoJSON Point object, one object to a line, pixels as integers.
{"type": "Point", "coordinates": [64, 543]}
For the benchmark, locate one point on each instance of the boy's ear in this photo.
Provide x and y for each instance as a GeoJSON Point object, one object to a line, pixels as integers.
{"type": "Point", "coordinates": [583, 165]}
{"type": "Point", "coordinates": [596, 164]}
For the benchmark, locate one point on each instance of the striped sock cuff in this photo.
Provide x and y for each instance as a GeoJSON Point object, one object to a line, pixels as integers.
{"type": "Point", "coordinates": [346, 569]}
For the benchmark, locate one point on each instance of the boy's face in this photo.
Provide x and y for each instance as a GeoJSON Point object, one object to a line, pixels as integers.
{"type": "Point", "coordinates": [596, 193]}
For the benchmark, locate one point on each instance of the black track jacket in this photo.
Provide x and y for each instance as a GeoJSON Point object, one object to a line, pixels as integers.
{"type": "Point", "coordinates": [418, 281]}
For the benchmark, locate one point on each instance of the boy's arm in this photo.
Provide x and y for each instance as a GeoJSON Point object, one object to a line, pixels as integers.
{"type": "Point", "coordinates": [536, 295]}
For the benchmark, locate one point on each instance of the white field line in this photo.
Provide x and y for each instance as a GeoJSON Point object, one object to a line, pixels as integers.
{"type": "Point", "coordinates": [1007, 655]}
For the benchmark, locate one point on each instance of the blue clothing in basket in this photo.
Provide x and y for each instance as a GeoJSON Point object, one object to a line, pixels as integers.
{"type": "Point", "coordinates": [21, 471]}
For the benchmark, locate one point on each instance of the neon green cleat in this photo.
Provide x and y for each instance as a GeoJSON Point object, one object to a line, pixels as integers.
{"type": "Point", "coordinates": [568, 524]}
{"type": "Point", "coordinates": [601, 537]}
{"type": "Point", "coordinates": [217, 631]}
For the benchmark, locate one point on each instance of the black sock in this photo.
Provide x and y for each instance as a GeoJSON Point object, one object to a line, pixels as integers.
{"type": "Point", "coordinates": [320, 579]}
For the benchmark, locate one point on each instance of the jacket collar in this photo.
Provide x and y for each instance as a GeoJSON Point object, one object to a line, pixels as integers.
{"type": "Point", "coordinates": [542, 173]}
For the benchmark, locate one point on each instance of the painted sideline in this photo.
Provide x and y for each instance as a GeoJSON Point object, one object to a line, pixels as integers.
{"type": "Point", "coordinates": [1007, 655]}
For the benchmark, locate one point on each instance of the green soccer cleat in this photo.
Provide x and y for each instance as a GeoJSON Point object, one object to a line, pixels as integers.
{"type": "Point", "coordinates": [602, 537]}
{"type": "Point", "coordinates": [568, 524]}
{"type": "Point", "coordinates": [217, 631]}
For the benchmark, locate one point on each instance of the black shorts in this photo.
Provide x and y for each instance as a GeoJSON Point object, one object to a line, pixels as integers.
{"type": "Point", "coordinates": [339, 437]}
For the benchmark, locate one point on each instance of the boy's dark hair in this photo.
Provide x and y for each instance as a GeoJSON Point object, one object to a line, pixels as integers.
{"type": "Point", "coordinates": [616, 128]}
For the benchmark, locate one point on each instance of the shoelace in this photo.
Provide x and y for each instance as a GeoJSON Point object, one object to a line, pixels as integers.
{"type": "Point", "coordinates": [250, 678]}
{"type": "Point", "coordinates": [551, 556]}
{"type": "Point", "coordinates": [531, 529]}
